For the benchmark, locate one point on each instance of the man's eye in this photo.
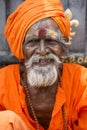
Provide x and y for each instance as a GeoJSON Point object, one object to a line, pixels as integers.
{"type": "Point", "coordinates": [51, 42]}
{"type": "Point", "coordinates": [33, 42]}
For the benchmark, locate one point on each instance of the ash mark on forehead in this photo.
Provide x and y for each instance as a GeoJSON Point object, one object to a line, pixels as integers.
{"type": "Point", "coordinates": [36, 25]}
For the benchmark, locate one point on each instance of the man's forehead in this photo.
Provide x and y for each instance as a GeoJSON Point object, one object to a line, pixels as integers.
{"type": "Point", "coordinates": [46, 23]}
{"type": "Point", "coordinates": [46, 26]}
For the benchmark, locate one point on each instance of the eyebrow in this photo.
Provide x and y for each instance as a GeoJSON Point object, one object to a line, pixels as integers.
{"type": "Point", "coordinates": [29, 37]}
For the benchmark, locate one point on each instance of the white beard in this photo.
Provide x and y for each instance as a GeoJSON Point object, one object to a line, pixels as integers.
{"type": "Point", "coordinates": [40, 76]}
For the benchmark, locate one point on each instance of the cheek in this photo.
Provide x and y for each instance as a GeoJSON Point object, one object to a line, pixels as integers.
{"type": "Point", "coordinates": [56, 50]}
{"type": "Point", "coordinates": [28, 52]}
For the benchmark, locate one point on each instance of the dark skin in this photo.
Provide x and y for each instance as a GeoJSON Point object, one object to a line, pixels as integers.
{"type": "Point", "coordinates": [43, 99]}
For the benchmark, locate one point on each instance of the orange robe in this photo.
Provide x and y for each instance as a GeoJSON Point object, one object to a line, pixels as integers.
{"type": "Point", "coordinates": [73, 95]}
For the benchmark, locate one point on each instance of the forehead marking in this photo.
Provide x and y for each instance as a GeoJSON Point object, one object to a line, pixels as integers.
{"type": "Point", "coordinates": [42, 32]}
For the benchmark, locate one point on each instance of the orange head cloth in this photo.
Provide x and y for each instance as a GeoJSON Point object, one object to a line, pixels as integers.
{"type": "Point", "coordinates": [29, 12]}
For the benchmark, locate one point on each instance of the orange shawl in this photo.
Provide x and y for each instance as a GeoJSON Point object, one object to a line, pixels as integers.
{"type": "Point", "coordinates": [29, 12]}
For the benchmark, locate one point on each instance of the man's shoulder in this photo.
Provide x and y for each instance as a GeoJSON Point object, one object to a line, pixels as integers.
{"type": "Point", "coordinates": [75, 70]}
{"type": "Point", "coordinates": [74, 66]}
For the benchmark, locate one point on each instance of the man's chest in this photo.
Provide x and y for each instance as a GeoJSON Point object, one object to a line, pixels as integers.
{"type": "Point", "coordinates": [43, 104]}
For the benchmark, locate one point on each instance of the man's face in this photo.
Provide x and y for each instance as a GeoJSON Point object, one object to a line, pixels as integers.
{"type": "Point", "coordinates": [42, 51]}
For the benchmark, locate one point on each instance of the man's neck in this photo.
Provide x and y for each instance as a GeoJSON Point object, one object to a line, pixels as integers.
{"type": "Point", "coordinates": [43, 100]}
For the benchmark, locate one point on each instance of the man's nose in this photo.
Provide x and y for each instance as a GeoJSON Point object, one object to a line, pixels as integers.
{"type": "Point", "coordinates": [42, 48]}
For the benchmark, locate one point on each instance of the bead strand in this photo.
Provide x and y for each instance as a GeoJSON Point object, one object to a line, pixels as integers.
{"type": "Point", "coordinates": [30, 102]}
{"type": "Point", "coordinates": [63, 107]}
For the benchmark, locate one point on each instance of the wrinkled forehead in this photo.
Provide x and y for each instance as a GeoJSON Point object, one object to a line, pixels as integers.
{"type": "Point", "coordinates": [43, 27]}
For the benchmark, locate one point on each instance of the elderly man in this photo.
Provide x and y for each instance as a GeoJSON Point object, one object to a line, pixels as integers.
{"type": "Point", "coordinates": [42, 93]}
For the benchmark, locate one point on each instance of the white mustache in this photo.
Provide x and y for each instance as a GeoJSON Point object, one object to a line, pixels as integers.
{"type": "Point", "coordinates": [36, 58]}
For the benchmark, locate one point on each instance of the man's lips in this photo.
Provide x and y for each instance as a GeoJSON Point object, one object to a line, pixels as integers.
{"type": "Point", "coordinates": [43, 61]}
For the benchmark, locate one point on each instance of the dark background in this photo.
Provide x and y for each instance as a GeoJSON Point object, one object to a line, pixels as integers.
{"type": "Point", "coordinates": [77, 52]}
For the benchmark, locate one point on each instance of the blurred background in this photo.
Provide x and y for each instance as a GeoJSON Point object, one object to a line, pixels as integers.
{"type": "Point", "coordinates": [77, 52]}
